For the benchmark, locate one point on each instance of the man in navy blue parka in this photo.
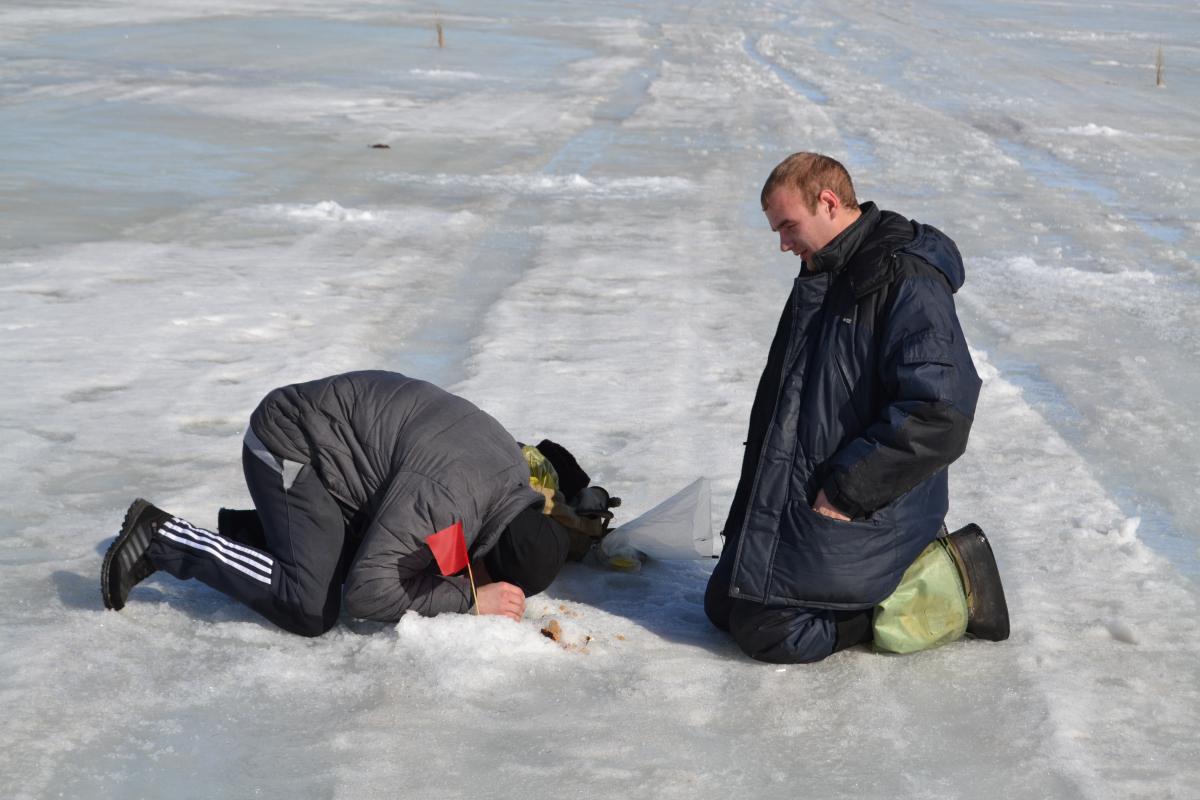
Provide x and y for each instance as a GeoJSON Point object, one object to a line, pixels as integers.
{"type": "Point", "coordinates": [868, 394]}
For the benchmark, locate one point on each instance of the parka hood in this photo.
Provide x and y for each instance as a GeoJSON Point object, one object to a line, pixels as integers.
{"type": "Point", "coordinates": [862, 248]}
{"type": "Point", "coordinates": [939, 251]}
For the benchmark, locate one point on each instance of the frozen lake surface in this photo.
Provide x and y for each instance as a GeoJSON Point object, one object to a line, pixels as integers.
{"type": "Point", "coordinates": [565, 228]}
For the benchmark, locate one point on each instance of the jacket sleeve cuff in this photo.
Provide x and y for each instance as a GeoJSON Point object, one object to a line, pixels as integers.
{"type": "Point", "coordinates": [843, 502]}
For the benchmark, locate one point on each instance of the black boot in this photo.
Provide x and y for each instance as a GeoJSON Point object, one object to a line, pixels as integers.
{"type": "Point", "coordinates": [987, 612]}
{"type": "Point", "coordinates": [242, 526]}
{"type": "Point", "coordinates": [125, 563]}
{"type": "Point", "coordinates": [853, 628]}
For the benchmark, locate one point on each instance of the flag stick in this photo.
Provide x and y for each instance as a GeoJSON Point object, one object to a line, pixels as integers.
{"type": "Point", "coordinates": [475, 597]}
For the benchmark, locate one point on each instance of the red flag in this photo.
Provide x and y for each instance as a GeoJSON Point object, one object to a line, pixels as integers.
{"type": "Point", "coordinates": [449, 546]}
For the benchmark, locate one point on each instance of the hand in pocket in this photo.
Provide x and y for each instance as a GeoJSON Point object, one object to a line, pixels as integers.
{"type": "Point", "coordinates": [827, 509]}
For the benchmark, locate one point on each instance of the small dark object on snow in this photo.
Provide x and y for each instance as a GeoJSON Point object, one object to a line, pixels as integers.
{"type": "Point", "coordinates": [987, 610]}
{"type": "Point", "coordinates": [552, 630]}
{"type": "Point", "coordinates": [125, 563]}
{"type": "Point", "coordinates": [381, 147]}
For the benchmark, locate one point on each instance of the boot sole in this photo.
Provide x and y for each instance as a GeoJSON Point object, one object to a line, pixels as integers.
{"type": "Point", "coordinates": [140, 537]}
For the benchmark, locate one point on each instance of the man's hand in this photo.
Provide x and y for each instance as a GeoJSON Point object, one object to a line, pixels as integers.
{"type": "Point", "coordinates": [501, 599]}
{"type": "Point", "coordinates": [827, 509]}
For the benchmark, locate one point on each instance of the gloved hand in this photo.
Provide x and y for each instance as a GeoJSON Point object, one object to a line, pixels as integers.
{"type": "Point", "coordinates": [594, 501]}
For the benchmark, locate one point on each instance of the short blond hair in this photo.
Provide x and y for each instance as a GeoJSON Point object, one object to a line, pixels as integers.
{"type": "Point", "coordinates": [810, 174]}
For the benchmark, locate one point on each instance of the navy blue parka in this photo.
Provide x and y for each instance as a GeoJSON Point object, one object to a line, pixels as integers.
{"type": "Point", "coordinates": [868, 393]}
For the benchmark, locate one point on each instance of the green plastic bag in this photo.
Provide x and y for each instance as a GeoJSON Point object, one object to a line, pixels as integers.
{"type": "Point", "coordinates": [927, 609]}
{"type": "Point", "coordinates": [542, 474]}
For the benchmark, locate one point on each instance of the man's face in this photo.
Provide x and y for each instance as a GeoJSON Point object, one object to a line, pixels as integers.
{"type": "Point", "coordinates": [801, 231]}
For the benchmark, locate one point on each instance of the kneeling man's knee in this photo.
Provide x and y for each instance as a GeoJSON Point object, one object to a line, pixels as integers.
{"type": "Point", "coordinates": [782, 634]}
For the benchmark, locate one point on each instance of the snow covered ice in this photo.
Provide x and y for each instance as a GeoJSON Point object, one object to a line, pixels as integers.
{"type": "Point", "coordinates": [565, 229]}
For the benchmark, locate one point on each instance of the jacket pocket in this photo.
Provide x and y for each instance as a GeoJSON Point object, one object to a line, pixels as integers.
{"type": "Point", "coordinates": [832, 536]}
{"type": "Point", "coordinates": [826, 562]}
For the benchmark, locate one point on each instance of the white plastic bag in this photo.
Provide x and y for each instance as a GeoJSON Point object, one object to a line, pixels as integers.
{"type": "Point", "coordinates": [678, 527]}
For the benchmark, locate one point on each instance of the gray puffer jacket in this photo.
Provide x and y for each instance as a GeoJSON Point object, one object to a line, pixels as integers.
{"type": "Point", "coordinates": [404, 459]}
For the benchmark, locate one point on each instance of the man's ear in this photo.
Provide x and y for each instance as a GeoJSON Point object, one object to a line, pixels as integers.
{"type": "Point", "coordinates": [829, 203]}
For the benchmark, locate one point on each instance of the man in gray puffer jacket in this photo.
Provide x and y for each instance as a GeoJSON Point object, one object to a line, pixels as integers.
{"type": "Point", "coordinates": [349, 475]}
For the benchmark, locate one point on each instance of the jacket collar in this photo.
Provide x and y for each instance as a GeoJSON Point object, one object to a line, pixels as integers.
{"type": "Point", "coordinates": [833, 256]}
{"type": "Point", "coordinates": [863, 249]}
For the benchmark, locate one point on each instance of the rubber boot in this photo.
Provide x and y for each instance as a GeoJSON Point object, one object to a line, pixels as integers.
{"type": "Point", "coordinates": [986, 608]}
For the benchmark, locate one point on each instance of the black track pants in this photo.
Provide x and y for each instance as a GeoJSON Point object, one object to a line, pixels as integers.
{"type": "Point", "coordinates": [296, 580]}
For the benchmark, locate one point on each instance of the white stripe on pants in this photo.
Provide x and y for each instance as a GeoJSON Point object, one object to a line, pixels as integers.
{"type": "Point", "coordinates": [250, 562]}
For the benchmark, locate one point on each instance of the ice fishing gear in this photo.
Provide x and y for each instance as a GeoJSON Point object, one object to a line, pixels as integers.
{"type": "Point", "coordinates": [594, 502]}
{"type": "Point", "coordinates": [679, 527]}
{"type": "Point", "coordinates": [584, 513]}
{"type": "Point", "coordinates": [585, 526]}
